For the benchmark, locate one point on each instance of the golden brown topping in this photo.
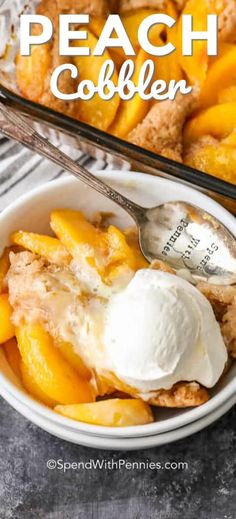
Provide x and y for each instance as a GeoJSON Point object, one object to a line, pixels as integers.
{"type": "Point", "coordinates": [227, 22]}
{"type": "Point", "coordinates": [161, 265]}
{"type": "Point", "coordinates": [218, 293]}
{"type": "Point", "coordinates": [98, 8]}
{"type": "Point", "coordinates": [215, 157]}
{"type": "Point", "coordinates": [161, 130]}
{"type": "Point", "coordinates": [129, 5]}
{"type": "Point", "coordinates": [114, 6]}
{"type": "Point", "coordinates": [181, 395]}
{"type": "Point", "coordinates": [223, 301]}
{"type": "Point", "coordinates": [228, 329]}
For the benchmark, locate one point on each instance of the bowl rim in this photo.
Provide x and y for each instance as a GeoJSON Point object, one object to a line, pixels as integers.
{"type": "Point", "coordinates": [134, 431]}
{"type": "Point", "coordinates": [116, 443]}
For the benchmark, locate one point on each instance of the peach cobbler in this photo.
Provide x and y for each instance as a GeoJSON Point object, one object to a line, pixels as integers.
{"type": "Point", "coordinates": [98, 334]}
{"type": "Point", "coordinates": [198, 129]}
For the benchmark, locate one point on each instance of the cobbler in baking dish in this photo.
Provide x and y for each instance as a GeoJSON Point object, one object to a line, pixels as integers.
{"type": "Point", "coordinates": [198, 129]}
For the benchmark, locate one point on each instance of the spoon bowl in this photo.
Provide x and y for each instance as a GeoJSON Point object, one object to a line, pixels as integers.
{"type": "Point", "coordinates": [189, 240]}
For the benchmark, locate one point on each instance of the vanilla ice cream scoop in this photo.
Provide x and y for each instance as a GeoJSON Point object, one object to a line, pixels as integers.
{"type": "Point", "coordinates": [161, 330]}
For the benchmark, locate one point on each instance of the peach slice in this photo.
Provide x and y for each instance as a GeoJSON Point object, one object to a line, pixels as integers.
{"type": "Point", "coordinates": [131, 112]}
{"type": "Point", "coordinates": [118, 56]}
{"type": "Point", "coordinates": [7, 330]}
{"type": "Point", "coordinates": [96, 25]}
{"type": "Point", "coordinates": [96, 111]}
{"type": "Point", "coordinates": [195, 67]}
{"type": "Point", "coordinates": [218, 160]}
{"type": "Point", "coordinates": [4, 267]}
{"type": "Point", "coordinates": [162, 70]}
{"type": "Point", "coordinates": [13, 356]}
{"type": "Point", "coordinates": [230, 140]}
{"type": "Point", "coordinates": [222, 74]}
{"type": "Point", "coordinates": [109, 413]}
{"type": "Point", "coordinates": [116, 53]}
{"type": "Point", "coordinates": [50, 248]}
{"type": "Point", "coordinates": [48, 368]}
{"type": "Point", "coordinates": [228, 94]}
{"type": "Point", "coordinates": [104, 250]}
{"type": "Point", "coordinates": [168, 67]}
{"type": "Point", "coordinates": [132, 21]}
{"type": "Point", "coordinates": [133, 241]}
{"type": "Point", "coordinates": [80, 237]}
{"type": "Point", "coordinates": [218, 121]}
{"type": "Point", "coordinates": [74, 359]}
{"type": "Point", "coordinates": [120, 252]}
{"type": "Point", "coordinates": [33, 388]}
{"type": "Point", "coordinates": [223, 49]}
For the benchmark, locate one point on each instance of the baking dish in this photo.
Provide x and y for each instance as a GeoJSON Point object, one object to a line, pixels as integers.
{"type": "Point", "coordinates": [64, 130]}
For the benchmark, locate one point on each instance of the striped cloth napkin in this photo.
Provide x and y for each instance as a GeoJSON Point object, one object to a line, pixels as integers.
{"type": "Point", "coordinates": [22, 170]}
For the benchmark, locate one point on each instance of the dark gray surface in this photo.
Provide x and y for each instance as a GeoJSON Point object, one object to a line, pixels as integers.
{"type": "Point", "coordinates": [206, 490]}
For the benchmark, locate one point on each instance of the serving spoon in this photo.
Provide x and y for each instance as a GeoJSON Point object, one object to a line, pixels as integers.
{"type": "Point", "coordinates": [188, 238]}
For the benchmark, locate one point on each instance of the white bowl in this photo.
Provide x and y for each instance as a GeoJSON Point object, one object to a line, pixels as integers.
{"type": "Point", "coordinates": [31, 213]}
{"type": "Point", "coordinates": [101, 442]}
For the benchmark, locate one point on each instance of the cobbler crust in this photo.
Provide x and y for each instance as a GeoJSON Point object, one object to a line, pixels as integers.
{"type": "Point", "coordinates": [184, 394]}
{"type": "Point", "coordinates": [227, 22]}
{"type": "Point", "coordinates": [130, 5]}
{"type": "Point", "coordinates": [223, 301]}
{"type": "Point", "coordinates": [161, 131]}
{"type": "Point", "coordinates": [98, 8]}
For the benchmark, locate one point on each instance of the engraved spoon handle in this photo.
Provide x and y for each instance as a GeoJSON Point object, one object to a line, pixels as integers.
{"type": "Point", "coordinates": [14, 126]}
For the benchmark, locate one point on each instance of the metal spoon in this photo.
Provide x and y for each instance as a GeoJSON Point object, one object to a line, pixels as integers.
{"type": "Point", "coordinates": [186, 237]}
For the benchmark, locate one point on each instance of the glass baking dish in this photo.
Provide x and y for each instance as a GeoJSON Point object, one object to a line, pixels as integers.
{"type": "Point", "coordinates": [62, 129]}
